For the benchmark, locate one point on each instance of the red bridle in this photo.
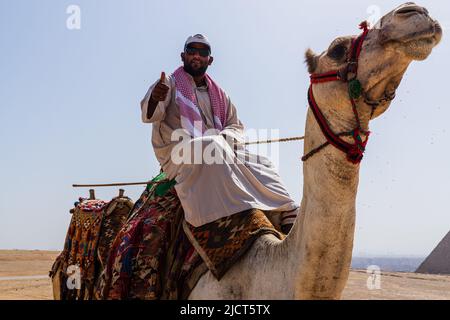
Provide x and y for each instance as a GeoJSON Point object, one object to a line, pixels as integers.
{"type": "Point", "coordinates": [348, 74]}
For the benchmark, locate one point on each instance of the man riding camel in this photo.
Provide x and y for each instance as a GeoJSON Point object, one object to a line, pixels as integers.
{"type": "Point", "coordinates": [190, 105]}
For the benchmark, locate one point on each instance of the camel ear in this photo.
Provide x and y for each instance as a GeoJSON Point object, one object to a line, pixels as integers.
{"type": "Point", "coordinates": [311, 60]}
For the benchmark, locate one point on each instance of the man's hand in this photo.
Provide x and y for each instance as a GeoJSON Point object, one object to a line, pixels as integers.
{"type": "Point", "coordinates": [159, 92]}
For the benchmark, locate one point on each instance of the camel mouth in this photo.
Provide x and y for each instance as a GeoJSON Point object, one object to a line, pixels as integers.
{"type": "Point", "coordinates": [419, 49]}
{"type": "Point", "coordinates": [433, 32]}
{"type": "Point", "coordinates": [419, 44]}
{"type": "Point", "coordinates": [411, 30]}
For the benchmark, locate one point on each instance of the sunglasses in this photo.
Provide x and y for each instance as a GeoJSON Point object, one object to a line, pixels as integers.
{"type": "Point", "coordinates": [203, 52]}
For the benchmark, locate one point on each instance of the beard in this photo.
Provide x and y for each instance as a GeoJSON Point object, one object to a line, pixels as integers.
{"type": "Point", "coordinates": [195, 72]}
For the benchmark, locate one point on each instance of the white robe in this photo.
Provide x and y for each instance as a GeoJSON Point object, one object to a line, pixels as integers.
{"type": "Point", "coordinates": [212, 191]}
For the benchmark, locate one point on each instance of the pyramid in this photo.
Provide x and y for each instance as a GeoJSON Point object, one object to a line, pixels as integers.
{"type": "Point", "coordinates": [438, 262]}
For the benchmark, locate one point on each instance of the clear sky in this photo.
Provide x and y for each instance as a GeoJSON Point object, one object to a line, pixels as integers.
{"type": "Point", "coordinates": [70, 110]}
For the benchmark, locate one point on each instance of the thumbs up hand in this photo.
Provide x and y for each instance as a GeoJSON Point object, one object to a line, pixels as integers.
{"type": "Point", "coordinates": [159, 92]}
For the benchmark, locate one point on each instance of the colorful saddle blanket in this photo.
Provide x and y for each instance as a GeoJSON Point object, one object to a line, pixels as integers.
{"type": "Point", "coordinates": [93, 226]}
{"type": "Point", "coordinates": [157, 255]}
{"type": "Point", "coordinates": [79, 251]}
{"type": "Point", "coordinates": [221, 243]}
{"type": "Point", "coordinates": [115, 216]}
{"type": "Point", "coordinates": [151, 258]}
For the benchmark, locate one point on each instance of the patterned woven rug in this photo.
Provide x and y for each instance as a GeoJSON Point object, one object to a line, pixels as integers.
{"type": "Point", "coordinates": [92, 229]}
{"type": "Point", "coordinates": [115, 216]}
{"type": "Point", "coordinates": [221, 243]}
{"type": "Point", "coordinates": [80, 250]}
{"type": "Point", "coordinates": [151, 257]}
{"type": "Point", "coordinates": [157, 255]}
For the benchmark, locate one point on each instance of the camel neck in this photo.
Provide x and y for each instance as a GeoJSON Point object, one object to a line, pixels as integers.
{"type": "Point", "coordinates": [322, 238]}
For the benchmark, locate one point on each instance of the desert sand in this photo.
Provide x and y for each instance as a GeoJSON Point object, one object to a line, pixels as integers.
{"type": "Point", "coordinates": [24, 276]}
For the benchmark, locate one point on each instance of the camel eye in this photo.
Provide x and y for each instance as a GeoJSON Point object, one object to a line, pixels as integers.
{"type": "Point", "coordinates": [337, 52]}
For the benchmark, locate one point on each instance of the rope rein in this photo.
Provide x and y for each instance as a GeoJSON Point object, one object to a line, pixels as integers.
{"type": "Point", "coordinates": [273, 141]}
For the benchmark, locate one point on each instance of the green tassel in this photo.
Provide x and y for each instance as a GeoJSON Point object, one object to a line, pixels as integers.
{"type": "Point", "coordinates": [158, 178]}
{"type": "Point", "coordinates": [164, 187]}
{"type": "Point", "coordinates": [354, 89]}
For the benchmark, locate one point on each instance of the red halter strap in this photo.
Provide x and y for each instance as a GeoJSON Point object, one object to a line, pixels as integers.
{"type": "Point", "coordinates": [354, 151]}
{"type": "Point", "coordinates": [325, 77]}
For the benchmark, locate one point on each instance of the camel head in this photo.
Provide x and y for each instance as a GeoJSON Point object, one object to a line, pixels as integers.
{"type": "Point", "coordinates": [403, 35]}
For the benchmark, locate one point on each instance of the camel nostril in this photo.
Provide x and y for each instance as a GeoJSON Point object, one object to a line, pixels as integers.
{"type": "Point", "coordinates": [411, 9]}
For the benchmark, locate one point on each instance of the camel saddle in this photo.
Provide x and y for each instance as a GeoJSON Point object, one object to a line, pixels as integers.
{"type": "Point", "coordinates": [158, 255]}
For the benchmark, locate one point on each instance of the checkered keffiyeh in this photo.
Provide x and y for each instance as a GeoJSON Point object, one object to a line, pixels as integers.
{"type": "Point", "coordinates": [191, 119]}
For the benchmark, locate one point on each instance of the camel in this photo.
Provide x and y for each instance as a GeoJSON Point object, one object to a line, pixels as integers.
{"type": "Point", "coordinates": [313, 261]}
